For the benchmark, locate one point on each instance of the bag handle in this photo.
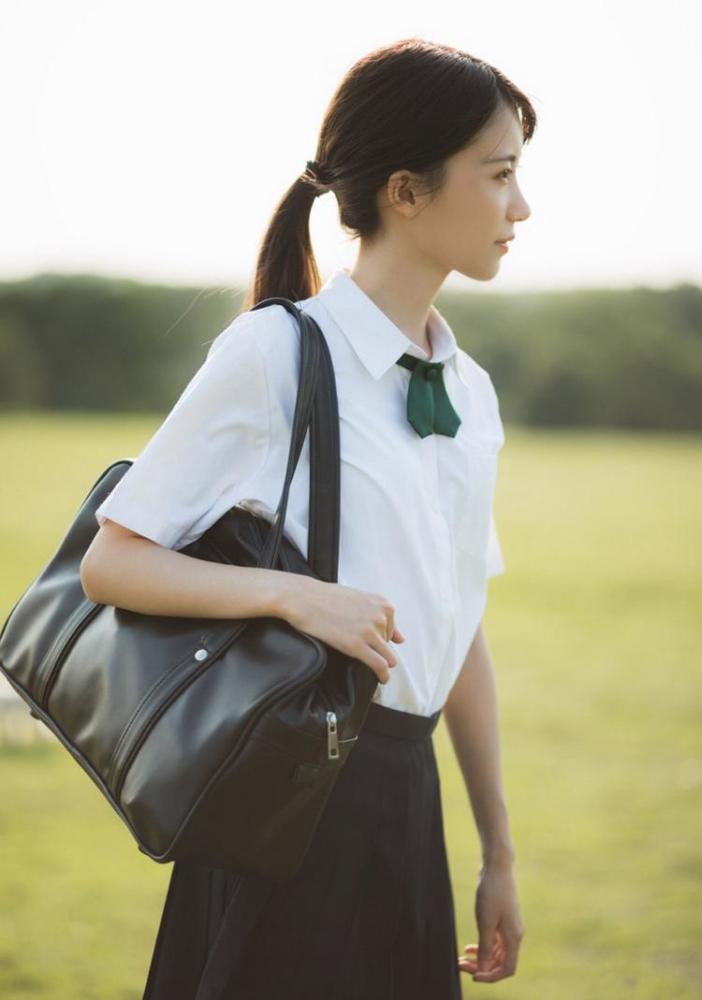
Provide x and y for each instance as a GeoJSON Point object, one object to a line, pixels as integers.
{"type": "Point", "coordinates": [316, 408]}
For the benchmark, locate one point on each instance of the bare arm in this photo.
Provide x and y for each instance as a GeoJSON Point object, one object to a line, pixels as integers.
{"type": "Point", "coordinates": [126, 570]}
{"type": "Point", "coordinates": [471, 716]}
{"type": "Point", "coordinates": [472, 719]}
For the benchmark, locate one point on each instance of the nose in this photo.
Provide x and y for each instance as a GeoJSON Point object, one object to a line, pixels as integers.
{"type": "Point", "coordinates": [522, 210]}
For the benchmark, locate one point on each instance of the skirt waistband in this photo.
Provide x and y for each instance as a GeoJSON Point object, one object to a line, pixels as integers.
{"type": "Point", "coordinates": [399, 725]}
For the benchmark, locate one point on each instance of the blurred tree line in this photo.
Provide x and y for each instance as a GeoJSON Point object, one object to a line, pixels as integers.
{"type": "Point", "coordinates": [610, 358]}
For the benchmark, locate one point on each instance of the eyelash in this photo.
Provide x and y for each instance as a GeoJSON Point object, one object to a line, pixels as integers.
{"type": "Point", "coordinates": [507, 170]}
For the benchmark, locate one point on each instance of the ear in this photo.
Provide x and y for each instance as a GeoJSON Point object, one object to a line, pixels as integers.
{"type": "Point", "coordinates": [402, 191]}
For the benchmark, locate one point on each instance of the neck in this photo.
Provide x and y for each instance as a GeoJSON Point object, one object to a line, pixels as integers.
{"type": "Point", "coordinates": [403, 292]}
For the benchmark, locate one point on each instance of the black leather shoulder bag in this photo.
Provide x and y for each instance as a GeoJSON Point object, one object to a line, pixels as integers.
{"type": "Point", "coordinates": [217, 741]}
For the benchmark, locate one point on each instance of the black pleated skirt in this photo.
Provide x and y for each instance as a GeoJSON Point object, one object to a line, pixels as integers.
{"type": "Point", "coordinates": [368, 916]}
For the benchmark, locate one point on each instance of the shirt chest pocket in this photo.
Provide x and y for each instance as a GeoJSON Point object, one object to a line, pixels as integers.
{"type": "Point", "coordinates": [470, 477]}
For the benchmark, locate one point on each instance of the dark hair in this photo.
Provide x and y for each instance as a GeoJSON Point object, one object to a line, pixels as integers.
{"type": "Point", "coordinates": [411, 104]}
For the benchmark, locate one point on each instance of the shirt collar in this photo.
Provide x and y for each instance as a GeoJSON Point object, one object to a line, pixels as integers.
{"type": "Point", "coordinates": [377, 341]}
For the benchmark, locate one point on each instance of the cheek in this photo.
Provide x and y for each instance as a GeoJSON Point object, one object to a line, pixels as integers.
{"type": "Point", "coordinates": [458, 218]}
{"type": "Point", "coordinates": [478, 205]}
{"type": "Point", "coordinates": [491, 198]}
{"type": "Point", "coordinates": [456, 223]}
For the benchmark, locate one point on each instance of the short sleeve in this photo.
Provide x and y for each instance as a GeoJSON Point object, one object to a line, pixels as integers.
{"type": "Point", "coordinates": [210, 445]}
{"type": "Point", "coordinates": [494, 561]}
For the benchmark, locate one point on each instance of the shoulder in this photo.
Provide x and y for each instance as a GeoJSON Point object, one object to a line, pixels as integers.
{"type": "Point", "coordinates": [232, 380]}
{"type": "Point", "coordinates": [261, 349]}
{"type": "Point", "coordinates": [251, 332]}
{"type": "Point", "coordinates": [268, 336]}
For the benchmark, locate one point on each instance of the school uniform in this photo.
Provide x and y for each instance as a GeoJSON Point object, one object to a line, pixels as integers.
{"type": "Point", "coordinates": [370, 914]}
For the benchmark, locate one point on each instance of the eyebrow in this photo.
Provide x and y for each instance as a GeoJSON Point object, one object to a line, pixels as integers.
{"type": "Point", "coordinates": [500, 159]}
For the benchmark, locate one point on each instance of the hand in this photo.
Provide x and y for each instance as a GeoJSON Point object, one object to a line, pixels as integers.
{"type": "Point", "coordinates": [359, 623]}
{"type": "Point", "coordinates": [499, 926]}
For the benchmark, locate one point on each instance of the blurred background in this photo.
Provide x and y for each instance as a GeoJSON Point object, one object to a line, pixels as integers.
{"type": "Point", "coordinates": [145, 147]}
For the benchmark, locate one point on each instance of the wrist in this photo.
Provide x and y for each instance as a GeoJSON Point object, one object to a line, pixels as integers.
{"type": "Point", "coordinates": [284, 593]}
{"type": "Point", "coordinates": [498, 855]}
{"type": "Point", "coordinates": [497, 846]}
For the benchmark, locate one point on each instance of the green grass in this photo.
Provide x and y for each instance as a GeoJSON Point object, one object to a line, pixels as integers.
{"type": "Point", "coordinates": [594, 631]}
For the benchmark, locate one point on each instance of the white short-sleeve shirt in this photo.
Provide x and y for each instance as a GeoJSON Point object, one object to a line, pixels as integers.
{"type": "Point", "coordinates": [417, 522]}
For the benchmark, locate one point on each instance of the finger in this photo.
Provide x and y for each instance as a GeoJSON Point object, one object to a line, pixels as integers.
{"type": "Point", "coordinates": [392, 632]}
{"type": "Point", "coordinates": [471, 956]}
{"type": "Point", "coordinates": [489, 976]}
{"type": "Point", "coordinates": [500, 970]}
{"type": "Point", "coordinates": [384, 650]}
{"type": "Point", "coordinates": [503, 963]}
{"type": "Point", "coordinates": [496, 971]}
{"type": "Point", "coordinates": [471, 953]}
{"type": "Point", "coordinates": [486, 948]}
{"type": "Point", "coordinates": [389, 625]}
{"type": "Point", "coordinates": [469, 961]}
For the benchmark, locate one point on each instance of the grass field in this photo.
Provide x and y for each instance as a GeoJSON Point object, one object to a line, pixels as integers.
{"type": "Point", "coordinates": [595, 636]}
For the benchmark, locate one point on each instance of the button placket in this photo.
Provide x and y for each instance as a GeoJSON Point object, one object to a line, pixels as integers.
{"type": "Point", "coordinates": [444, 546]}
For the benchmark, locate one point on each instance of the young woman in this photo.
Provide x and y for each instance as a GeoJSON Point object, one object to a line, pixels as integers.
{"type": "Point", "coordinates": [419, 147]}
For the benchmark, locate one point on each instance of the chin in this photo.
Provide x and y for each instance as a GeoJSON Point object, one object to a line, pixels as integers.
{"type": "Point", "coordinates": [480, 273]}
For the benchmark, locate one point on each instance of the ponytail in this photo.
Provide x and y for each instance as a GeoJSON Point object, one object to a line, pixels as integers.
{"type": "Point", "coordinates": [286, 264]}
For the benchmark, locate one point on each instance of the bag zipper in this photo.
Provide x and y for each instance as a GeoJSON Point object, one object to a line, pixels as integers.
{"type": "Point", "coordinates": [332, 729]}
{"type": "Point", "coordinates": [74, 628]}
{"type": "Point", "coordinates": [332, 737]}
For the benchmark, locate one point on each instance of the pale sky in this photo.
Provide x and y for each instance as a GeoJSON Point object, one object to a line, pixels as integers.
{"type": "Point", "coordinates": [153, 138]}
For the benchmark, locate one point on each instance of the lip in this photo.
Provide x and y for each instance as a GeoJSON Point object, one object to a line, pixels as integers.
{"type": "Point", "coordinates": [502, 246]}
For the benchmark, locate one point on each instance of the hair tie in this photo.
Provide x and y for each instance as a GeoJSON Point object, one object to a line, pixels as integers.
{"type": "Point", "coordinates": [315, 175]}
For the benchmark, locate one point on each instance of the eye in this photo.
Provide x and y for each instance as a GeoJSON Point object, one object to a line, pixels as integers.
{"type": "Point", "coordinates": [507, 170]}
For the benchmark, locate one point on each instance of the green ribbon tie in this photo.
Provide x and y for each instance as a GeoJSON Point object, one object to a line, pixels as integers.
{"type": "Point", "coordinates": [429, 408]}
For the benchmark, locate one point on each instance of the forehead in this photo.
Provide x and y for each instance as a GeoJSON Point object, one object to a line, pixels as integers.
{"type": "Point", "coordinates": [502, 136]}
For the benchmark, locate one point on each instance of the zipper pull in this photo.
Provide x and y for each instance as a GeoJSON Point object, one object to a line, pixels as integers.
{"type": "Point", "coordinates": [332, 737]}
